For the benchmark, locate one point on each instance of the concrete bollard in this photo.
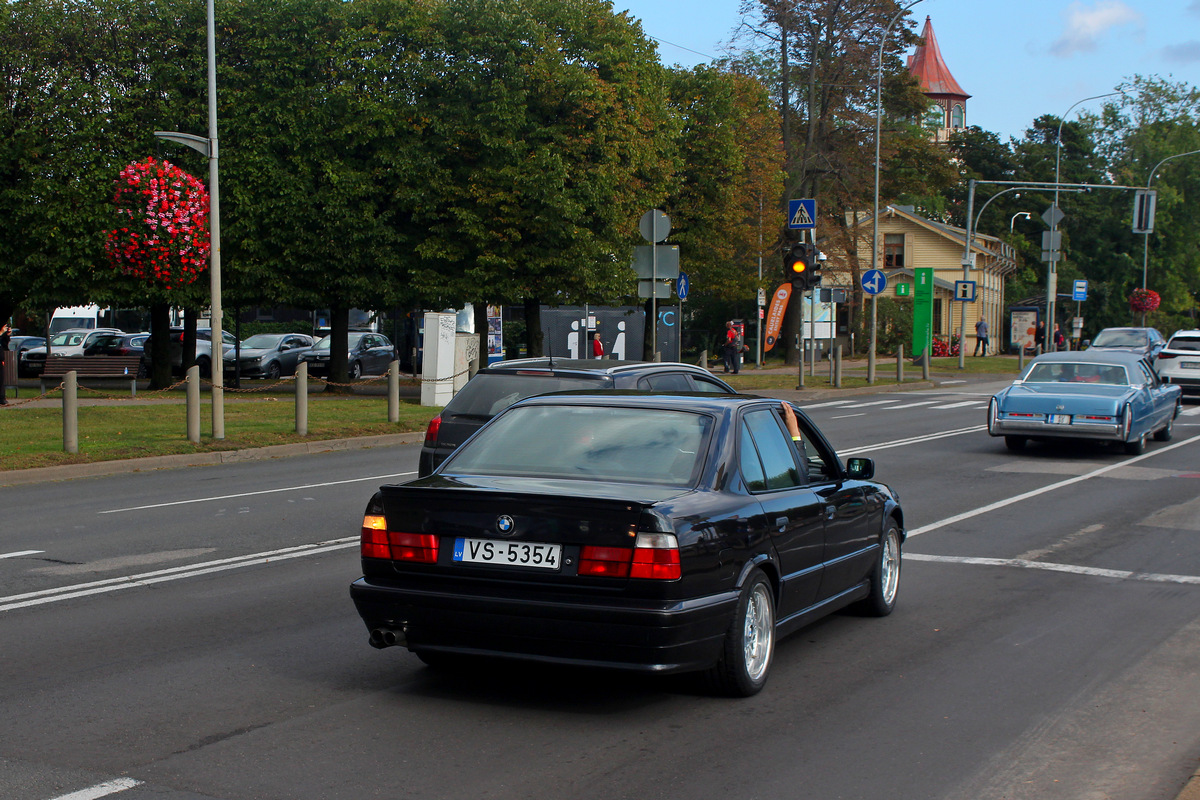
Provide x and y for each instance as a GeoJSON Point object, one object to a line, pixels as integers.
{"type": "Point", "coordinates": [924, 365]}
{"type": "Point", "coordinates": [192, 393]}
{"type": "Point", "coordinates": [871, 365]}
{"type": "Point", "coordinates": [899, 363]}
{"type": "Point", "coordinates": [837, 367]}
{"type": "Point", "coordinates": [71, 412]}
{"type": "Point", "coordinates": [394, 391]}
{"type": "Point", "coordinates": [302, 398]}
{"type": "Point", "coordinates": [1021, 357]}
{"type": "Point", "coordinates": [703, 359]}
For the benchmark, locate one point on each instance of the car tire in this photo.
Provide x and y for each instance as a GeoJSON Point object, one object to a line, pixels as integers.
{"type": "Point", "coordinates": [1135, 447]}
{"type": "Point", "coordinates": [1167, 431]}
{"type": "Point", "coordinates": [356, 371]}
{"type": "Point", "coordinates": [1015, 442]}
{"type": "Point", "coordinates": [274, 371]}
{"type": "Point", "coordinates": [885, 577]}
{"type": "Point", "coordinates": [749, 645]}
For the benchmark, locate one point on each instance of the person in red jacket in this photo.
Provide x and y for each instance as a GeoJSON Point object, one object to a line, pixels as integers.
{"type": "Point", "coordinates": [597, 346]}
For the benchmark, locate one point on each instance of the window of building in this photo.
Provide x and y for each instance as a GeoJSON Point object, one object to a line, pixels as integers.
{"type": "Point", "coordinates": [893, 250]}
{"type": "Point", "coordinates": [958, 117]}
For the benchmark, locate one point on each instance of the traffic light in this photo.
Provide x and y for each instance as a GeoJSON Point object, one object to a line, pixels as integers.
{"type": "Point", "coordinates": [797, 266]}
{"type": "Point", "coordinates": [816, 260]}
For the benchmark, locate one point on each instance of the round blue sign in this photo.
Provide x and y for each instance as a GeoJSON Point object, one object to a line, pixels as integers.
{"type": "Point", "coordinates": [681, 286]}
{"type": "Point", "coordinates": [874, 281]}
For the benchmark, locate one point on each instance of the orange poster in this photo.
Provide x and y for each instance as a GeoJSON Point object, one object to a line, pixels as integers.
{"type": "Point", "coordinates": [779, 303]}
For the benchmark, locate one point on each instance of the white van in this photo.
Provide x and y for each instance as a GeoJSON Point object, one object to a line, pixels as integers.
{"type": "Point", "coordinates": [78, 317]}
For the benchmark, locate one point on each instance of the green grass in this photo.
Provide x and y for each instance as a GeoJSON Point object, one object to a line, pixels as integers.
{"type": "Point", "coordinates": [33, 437]}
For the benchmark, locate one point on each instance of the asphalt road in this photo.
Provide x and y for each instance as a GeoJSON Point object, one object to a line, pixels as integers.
{"type": "Point", "coordinates": [188, 634]}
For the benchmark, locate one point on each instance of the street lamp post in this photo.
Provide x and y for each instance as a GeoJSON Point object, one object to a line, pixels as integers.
{"type": "Point", "coordinates": [1146, 235]}
{"type": "Point", "coordinates": [875, 210]}
{"type": "Point", "coordinates": [208, 147]}
{"type": "Point", "coordinates": [1013, 221]}
{"type": "Point", "coordinates": [1052, 269]}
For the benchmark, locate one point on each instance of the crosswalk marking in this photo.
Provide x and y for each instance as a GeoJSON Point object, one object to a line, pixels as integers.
{"type": "Point", "coordinates": [830, 403]}
{"type": "Point", "coordinates": [960, 405]}
{"type": "Point", "coordinates": [872, 403]}
{"type": "Point", "coordinates": [1191, 412]}
{"type": "Point", "coordinates": [914, 405]}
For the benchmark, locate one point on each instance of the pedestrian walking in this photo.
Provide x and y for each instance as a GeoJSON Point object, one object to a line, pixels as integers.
{"type": "Point", "coordinates": [733, 348]}
{"type": "Point", "coordinates": [5, 336]}
{"type": "Point", "coordinates": [981, 337]}
{"type": "Point", "coordinates": [597, 346]}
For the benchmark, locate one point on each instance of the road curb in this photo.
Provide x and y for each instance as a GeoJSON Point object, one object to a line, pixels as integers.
{"type": "Point", "coordinates": [1191, 791]}
{"type": "Point", "coordinates": [102, 468]}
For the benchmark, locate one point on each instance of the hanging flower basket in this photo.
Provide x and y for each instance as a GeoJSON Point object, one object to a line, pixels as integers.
{"type": "Point", "coordinates": [1144, 300]}
{"type": "Point", "coordinates": [165, 238]}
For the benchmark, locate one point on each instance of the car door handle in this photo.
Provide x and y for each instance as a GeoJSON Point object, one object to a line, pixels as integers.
{"type": "Point", "coordinates": [781, 523]}
{"type": "Point", "coordinates": [830, 512]}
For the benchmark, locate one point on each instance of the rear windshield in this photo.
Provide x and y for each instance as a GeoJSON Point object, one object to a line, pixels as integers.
{"type": "Point", "coordinates": [1120, 339]}
{"type": "Point", "coordinates": [1184, 343]}
{"type": "Point", "coordinates": [486, 395]}
{"type": "Point", "coordinates": [627, 445]}
{"type": "Point", "coordinates": [1111, 374]}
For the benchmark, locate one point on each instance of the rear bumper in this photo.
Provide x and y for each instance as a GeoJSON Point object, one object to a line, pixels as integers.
{"type": "Point", "coordinates": [640, 636]}
{"type": "Point", "coordinates": [1106, 431]}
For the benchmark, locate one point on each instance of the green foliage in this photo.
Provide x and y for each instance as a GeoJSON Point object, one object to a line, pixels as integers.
{"type": "Point", "coordinates": [893, 327]}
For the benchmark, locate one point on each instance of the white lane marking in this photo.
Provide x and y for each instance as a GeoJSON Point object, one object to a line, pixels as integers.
{"type": "Point", "coordinates": [253, 494]}
{"type": "Point", "coordinates": [960, 405]}
{"type": "Point", "coordinates": [824, 405]}
{"type": "Point", "coordinates": [20, 553]}
{"type": "Point", "coordinates": [172, 574]}
{"type": "Point", "coordinates": [933, 526]}
{"type": "Point", "coordinates": [1073, 569]}
{"type": "Point", "coordinates": [101, 789]}
{"type": "Point", "coordinates": [874, 403]}
{"type": "Point", "coordinates": [928, 437]}
{"type": "Point", "coordinates": [847, 416]}
{"type": "Point", "coordinates": [947, 383]}
{"type": "Point", "coordinates": [1191, 412]}
{"type": "Point", "coordinates": [913, 405]}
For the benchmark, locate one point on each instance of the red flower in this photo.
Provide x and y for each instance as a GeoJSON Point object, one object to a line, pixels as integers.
{"type": "Point", "coordinates": [1144, 300]}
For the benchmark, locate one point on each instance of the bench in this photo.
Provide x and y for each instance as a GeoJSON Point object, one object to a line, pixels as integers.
{"type": "Point", "coordinates": [98, 366]}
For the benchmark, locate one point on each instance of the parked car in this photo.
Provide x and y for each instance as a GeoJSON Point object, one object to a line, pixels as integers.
{"type": "Point", "coordinates": [495, 388]}
{"type": "Point", "coordinates": [1110, 396]}
{"type": "Point", "coordinates": [637, 531]}
{"type": "Point", "coordinates": [1146, 342]}
{"type": "Point", "coordinates": [269, 355]}
{"type": "Point", "coordinates": [370, 354]}
{"type": "Point", "coordinates": [67, 343]}
{"type": "Point", "coordinates": [203, 349]}
{"type": "Point", "coordinates": [1179, 361]}
{"type": "Point", "coordinates": [18, 346]}
{"type": "Point", "coordinates": [119, 344]}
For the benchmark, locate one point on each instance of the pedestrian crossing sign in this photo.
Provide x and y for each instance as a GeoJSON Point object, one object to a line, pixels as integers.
{"type": "Point", "coordinates": [802, 214]}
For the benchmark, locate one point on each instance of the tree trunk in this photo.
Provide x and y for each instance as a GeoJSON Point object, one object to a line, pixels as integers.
{"type": "Point", "coordinates": [339, 348]}
{"type": "Point", "coordinates": [533, 328]}
{"type": "Point", "coordinates": [160, 345]}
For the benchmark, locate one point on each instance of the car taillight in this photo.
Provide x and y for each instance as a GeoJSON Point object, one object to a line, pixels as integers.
{"type": "Point", "coordinates": [431, 433]}
{"type": "Point", "coordinates": [1167, 355]}
{"type": "Point", "coordinates": [606, 562]}
{"type": "Point", "coordinates": [1097, 418]}
{"type": "Point", "coordinates": [378, 542]}
{"type": "Point", "coordinates": [654, 556]}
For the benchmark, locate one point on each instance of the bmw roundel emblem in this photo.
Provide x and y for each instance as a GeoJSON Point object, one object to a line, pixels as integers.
{"type": "Point", "coordinates": [505, 524]}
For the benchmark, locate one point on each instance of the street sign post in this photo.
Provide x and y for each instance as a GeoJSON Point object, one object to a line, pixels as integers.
{"type": "Point", "coordinates": [873, 281]}
{"type": "Point", "coordinates": [964, 291]}
{"type": "Point", "coordinates": [1079, 291]}
{"type": "Point", "coordinates": [682, 286]}
{"type": "Point", "coordinates": [802, 214]}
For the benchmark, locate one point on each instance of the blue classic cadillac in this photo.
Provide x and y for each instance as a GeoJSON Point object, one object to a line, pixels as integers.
{"type": "Point", "coordinates": [1109, 395]}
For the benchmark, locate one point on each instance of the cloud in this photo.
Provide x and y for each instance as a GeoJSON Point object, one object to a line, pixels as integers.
{"type": "Point", "coordinates": [1087, 24]}
{"type": "Point", "coordinates": [1185, 53]}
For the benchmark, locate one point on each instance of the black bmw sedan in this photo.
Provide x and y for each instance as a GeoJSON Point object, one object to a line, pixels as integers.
{"type": "Point", "coordinates": [660, 533]}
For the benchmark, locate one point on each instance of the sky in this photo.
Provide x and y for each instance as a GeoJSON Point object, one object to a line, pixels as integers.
{"type": "Point", "coordinates": [1018, 59]}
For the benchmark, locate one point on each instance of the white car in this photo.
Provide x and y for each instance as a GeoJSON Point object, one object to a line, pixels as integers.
{"type": "Point", "coordinates": [71, 342]}
{"type": "Point", "coordinates": [1179, 361]}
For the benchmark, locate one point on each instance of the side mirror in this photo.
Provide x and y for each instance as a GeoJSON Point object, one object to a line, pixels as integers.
{"type": "Point", "coordinates": [1087, 343]}
{"type": "Point", "coordinates": [860, 468]}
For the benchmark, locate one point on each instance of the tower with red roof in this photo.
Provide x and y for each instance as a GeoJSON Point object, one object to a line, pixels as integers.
{"type": "Point", "coordinates": [948, 101]}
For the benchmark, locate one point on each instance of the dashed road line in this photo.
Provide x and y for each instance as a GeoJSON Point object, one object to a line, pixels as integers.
{"type": "Point", "coordinates": [1050, 566]}
{"type": "Point", "coordinates": [20, 553]}
{"type": "Point", "coordinates": [101, 790]}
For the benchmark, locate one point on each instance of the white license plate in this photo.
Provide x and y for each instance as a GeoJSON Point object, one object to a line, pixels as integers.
{"type": "Point", "coordinates": [1190, 364]}
{"type": "Point", "coordinates": [1060, 419]}
{"type": "Point", "coordinates": [507, 554]}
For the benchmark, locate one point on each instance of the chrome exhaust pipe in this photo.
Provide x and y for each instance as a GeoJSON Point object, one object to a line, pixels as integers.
{"type": "Point", "coordinates": [386, 637]}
